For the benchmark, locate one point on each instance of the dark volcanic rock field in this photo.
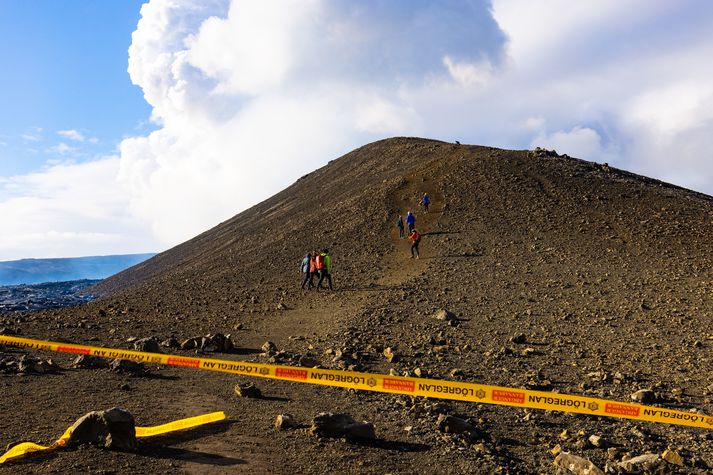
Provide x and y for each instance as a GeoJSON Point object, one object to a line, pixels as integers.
{"type": "Point", "coordinates": [564, 275]}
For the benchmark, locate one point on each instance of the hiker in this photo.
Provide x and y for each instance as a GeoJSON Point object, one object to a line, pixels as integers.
{"type": "Point", "coordinates": [313, 268]}
{"type": "Point", "coordinates": [411, 221]}
{"type": "Point", "coordinates": [305, 268]}
{"type": "Point", "coordinates": [324, 267]}
{"type": "Point", "coordinates": [425, 201]}
{"type": "Point", "coordinates": [400, 225]}
{"type": "Point", "coordinates": [415, 238]}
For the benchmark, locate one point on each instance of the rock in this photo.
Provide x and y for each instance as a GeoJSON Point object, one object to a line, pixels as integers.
{"type": "Point", "coordinates": [247, 390]}
{"type": "Point", "coordinates": [30, 364]}
{"type": "Point", "coordinates": [391, 357]}
{"type": "Point", "coordinates": [269, 347]}
{"type": "Point", "coordinates": [596, 441]}
{"type": "Point", "coordinates": [644, 396]}
{"type": "Point", "coordinates": [643, 463]}
{"type": "Point", "coordinates": [308, 362]}
{"type": "Point", "coordinates": [455, 425]}
{"type": "Point", "coordinates": [114, 429]}
{"type": "Point", "coordinates": [672, 457]}
{"type": "Point", "coordinates": [519, 338]}
{"type": "Point", "coordinates": [420, 373]}
{"type": "Point", "coordinates": [576, 464]}
{"type": "Point", "coordinates": [445, 315]}
{"type": "Point", "coordinates": [217, 342]}
{"type": "Point", "coordinates": [455, 372]}
{"type": "Point", "coordinates": [126, 366]}
{"type": "Point", "coordinates": [327, 424]}
{"type": "Point", "coordinates": [190, 343]}
{"type": "Point", "coordinates": [284, 422]}
{"type": "Point", "coordinates": [89, 362]}
{"type": "Point", "coordinates": [148, 345]}
{"type": "Point", "coordinates": [171, 343]}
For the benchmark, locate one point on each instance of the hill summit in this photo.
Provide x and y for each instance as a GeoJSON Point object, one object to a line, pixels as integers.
{"type": "Point", "coordinates": [563, 275]}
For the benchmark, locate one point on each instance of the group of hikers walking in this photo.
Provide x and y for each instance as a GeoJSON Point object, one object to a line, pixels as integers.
{"type": "Point", "coordinates": [316, 264]}
{"type": "Point", "coordinates": [319, 264]}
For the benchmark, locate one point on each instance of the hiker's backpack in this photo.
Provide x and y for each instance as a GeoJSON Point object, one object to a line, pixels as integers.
{"type": "Point", "coordinates": [319, 262]}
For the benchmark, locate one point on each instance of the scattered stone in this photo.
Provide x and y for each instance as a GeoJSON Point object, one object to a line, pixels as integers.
{"type": "Point", "coordinates": [308, 362]}
{"type": "Point", "coordinates": [519, 338]}
{"type": "Point", "coordinates": [148, 345]}
{"type": "Point", "coordinates": [445, 315]}
{"type": "Point", "coordinates": [327, 424]}
{"type": "Point", "coordinates": [29, 364]}
{"type": "Point", "coordinates": [576, 464]}
{"type": "Point", "coordinates": [114, 429]}
{"type": "Point", "coordinates": [455, 372]}
{"type": "Point", "coordinates": [89, 362]}
{"type": "Point", "coordinates": [420, 373]}
{"type": "Point", "coordinates": [391, 357]}
{"type": "Point", "coordinates": [285, 421]}
{"type": "Point", "coordinates": [221, 343]}
{"type": "Point", "coordinates": [269, 347]}
{"type": "Point", "coordinates": [672, 457]}
{"type": "Point", "coordinates": [597, 441]}
{"type": "Point", "coordinates": [190, 344]}
{"type": "Point", "coordinates": [125, 387]}
{"type": "Point", "coordinates": [556, 450]}
{"type": "Point", "coordinates": [130, 367]}
{"type": "Point", "coordinates": [644, 396]}
{"type": "Point", "coordinates": [643, 463]}
{"type": "Point", "coordinates": [171, 343]}
{"type": "Point", "coordinates": [247, 390]}
{"type": "Point", "coordinates": [455, 425]}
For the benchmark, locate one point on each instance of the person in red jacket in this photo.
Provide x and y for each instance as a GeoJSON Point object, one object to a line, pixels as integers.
{"type": "Point", "coordinates": [415, 238]}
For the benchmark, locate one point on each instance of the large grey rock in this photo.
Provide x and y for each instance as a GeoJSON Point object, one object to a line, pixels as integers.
{"type": "Point", "coordinates": [89, 362]}
{"type": "Point", "coordinates": [643, 463]}
{"type": "Point", "coordinates": [576, 464]}
{"type": "Point", "coordinates": [130, 367]}
{"type": "Point", "coordinates": [327, 424]}
{"type": "Point", "coordinates": [148, 345]}
{"type": "Point", "coordinates": [455, 425]}
{"type": "Point", "coordinates": [247, 390]}
{"type": "Point", "coordinates": [114, 429]}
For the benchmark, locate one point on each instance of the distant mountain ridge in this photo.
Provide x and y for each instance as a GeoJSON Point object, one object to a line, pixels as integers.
{"type": "Point", "coordinates": [36, 271]}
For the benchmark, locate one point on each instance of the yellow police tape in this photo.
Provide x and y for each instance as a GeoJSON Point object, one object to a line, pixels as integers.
{"type": "Point", "coordinates": [434, 388]}
{"type": "Point", "coordinates": [28, 447]}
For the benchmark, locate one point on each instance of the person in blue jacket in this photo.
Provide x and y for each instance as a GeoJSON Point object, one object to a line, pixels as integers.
{"type": "Point", "coordinates": [306, 270]}
{"type": "Point", "coordinates": [410, 221]}
{"type": "Point", "coordinates": [425, 201]}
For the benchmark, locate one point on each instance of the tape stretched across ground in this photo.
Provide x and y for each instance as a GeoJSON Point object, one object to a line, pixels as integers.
{"type": "Point", "coordinates": [25, 448]}
{"type": "Point", "coordinates": [433, 388]}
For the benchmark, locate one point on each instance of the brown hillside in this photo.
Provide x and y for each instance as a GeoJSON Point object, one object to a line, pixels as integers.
{"type": "Point", "coordinates": [605, 274]}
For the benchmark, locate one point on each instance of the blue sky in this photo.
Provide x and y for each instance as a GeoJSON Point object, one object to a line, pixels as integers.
{"type": "Point", "coordinates": [131, 128]}
{"type": "Point", "coordinates": [64, 68]}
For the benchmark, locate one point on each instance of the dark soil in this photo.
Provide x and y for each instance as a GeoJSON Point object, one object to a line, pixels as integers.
{"type": "Point", "coordinates": [566, 275]}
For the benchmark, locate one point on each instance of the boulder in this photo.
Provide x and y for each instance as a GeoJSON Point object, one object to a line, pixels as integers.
{"type": "Point", "coordinates": [114, 429]}
{"type": "Point", "coordinates": [147, 345]}
{"type": "Point", "coordinates": [171, 343]}
{"type": "Point", "coordinates": [247, 390]}
{"type": "Point", "coordinates": [576, 464]}
{"type": "Point", "coordinates": [327, 424]}
{"type": "Point", "coordinates": [445, 315]}
{"type": "Point", "coordinates": [455, 425]}
{"type": "Point", "coordinates": [89, 362]}
{"type": "Point", "coordinates": [644, 396]}
{"type": "Point", "coordinates": [285, 421]}
{"type": "Point", "coordinates": [672, 457]}
{"type": "Point", "coordinates": [269, 347]}
{"type": "Point", "coordinates": [391, 357]}
{"type": "Point", "coordinates": [643, 463]}
{"type": "Point", "coordinates": [126, 366]}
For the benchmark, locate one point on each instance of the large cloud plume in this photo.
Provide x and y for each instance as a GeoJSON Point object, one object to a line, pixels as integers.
{"type": "Point", "coordinates": [248, 95]}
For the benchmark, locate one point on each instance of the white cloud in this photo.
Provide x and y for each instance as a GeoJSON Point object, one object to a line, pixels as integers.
{"type": "Point", "coordinates": [248, 95]}
{"type": "Point", "coordinates": [68, 210]}
{"type": "Point", "coordinates": [62, 149]}
{"type": "Point", "coordinates": [71, 135]}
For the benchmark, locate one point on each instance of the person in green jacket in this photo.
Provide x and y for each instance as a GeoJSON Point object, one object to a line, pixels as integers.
{"type": "Point", "coordinates": [324, 266]}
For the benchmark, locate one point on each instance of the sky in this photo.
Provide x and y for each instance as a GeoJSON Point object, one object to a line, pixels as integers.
{"type": "Point", "coordinates": [131, 127]}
